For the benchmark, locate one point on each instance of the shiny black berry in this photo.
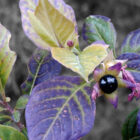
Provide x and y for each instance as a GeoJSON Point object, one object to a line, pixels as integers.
{"type": "Point", "coordinates": [108, 84]}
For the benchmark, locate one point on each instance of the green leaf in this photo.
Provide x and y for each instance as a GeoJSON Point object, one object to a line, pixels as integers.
{"type": "Point", "coordinates": [97, 28]}
{"type": "Point", "coordinates": [16, 115]}
{"type": "Point", "coordinates": [7, 57]}
{"type": "Point", "coordinates": [4, 117]}
{"type": "Point", "coordinates": [8, 123]}
{"type": "Point", "coordinates": [59, 8]}
{"type": "Point", "coordinates": [21, 102]}
{"type": "Point", "coordinates": [85, 62]}
{"type": "Point", "coordinates": [2, 109]}
{"type": "Point", "coordinates": [24, 131]}
{"type": "Point", "coordinates": [10, 133]}
{"type": "Point", "coordinates": [129, 129]}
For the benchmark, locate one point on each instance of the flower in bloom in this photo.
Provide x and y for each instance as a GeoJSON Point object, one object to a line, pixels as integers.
{"type": "Point", "coordinates": [109, 76]}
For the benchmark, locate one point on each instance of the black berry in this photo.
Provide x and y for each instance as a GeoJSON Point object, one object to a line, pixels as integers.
{"type": "Point", "coordinates": [108, 84]}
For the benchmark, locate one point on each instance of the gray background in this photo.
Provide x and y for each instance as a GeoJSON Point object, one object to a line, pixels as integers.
{"type": "Point", "coordinates": [125, 14]}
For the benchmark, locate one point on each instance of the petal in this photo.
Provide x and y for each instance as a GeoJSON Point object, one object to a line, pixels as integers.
{"type": "Point", "coordinates": [127, 76]}
{"type": "Point", "coordinates": [110, 57]}
{"type": "Point", "coordinates": [97, 74]}
{"type": "Point", "coordinates": [96, 92]}
{"type": "Point", "coordinates": [113, 98]}
{"type": "Point", "coordinates": [130, 97]}
{"type": "Point", "coordinates": [115, 69]}
{"type": "Point", "coordinates": [125, 84]}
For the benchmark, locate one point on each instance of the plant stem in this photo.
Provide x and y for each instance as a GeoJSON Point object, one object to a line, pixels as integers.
{"type": "Point", "coordinates": [8, 107]}
{"type": "Point", "coordinates": [10, 110]}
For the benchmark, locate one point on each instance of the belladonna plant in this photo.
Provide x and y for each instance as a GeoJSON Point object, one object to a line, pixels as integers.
{"type": "Point", "coordinates": [63, 107]}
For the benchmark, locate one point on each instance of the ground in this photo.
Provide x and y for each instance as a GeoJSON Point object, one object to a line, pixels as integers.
{"type": "Point", "coordinates": [125, 17]}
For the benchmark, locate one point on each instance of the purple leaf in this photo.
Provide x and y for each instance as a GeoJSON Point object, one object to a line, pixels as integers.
{"type": "Point", "coordinates": [41, 67]}
{"type": "Point", "coordinates": [60, 109]}
{"type": "Point", "coordinates": [133, 64]}
{"type": "Point", "coordinates": [129, 56]}
{"type": "Point", "coordinates": [138, 122]}
{"type": "Point", "coordinates": [132, 42]}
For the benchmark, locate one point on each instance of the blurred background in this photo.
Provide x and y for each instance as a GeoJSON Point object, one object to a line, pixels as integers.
{"type": "Point", "coordinates": [125, 15]}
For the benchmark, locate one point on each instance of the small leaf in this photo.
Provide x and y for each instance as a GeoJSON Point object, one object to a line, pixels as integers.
{"type": "Point", "coordinates": [132, 42]}
{"type": "Point", "coordinates": [4, 117]}
{"type": "Point", "coordinates": [7, 57]}
{"type": "Point", "coordinates": [21, 102]}
{"type": "Point", "coordinates": [2, 109]}
{"type": "Point", "coordinates": [133, 64]}
{"type": "Point", "coordinates": [97, 27]}
{"type": "Point", "coordinates": [60, 108]}
{"type": "Point", "coordinates": [10, 133]}
{"type": "Point", "coordinates": [129, 129]}
{"type": "Point", "coordinates": [8, 123]}
{"type": "Point", "coordinates": [83, 63]}
{"type": "Point", "coordinates": [40, 68]}
{"type": "Point", "coordinates": [16, 116]}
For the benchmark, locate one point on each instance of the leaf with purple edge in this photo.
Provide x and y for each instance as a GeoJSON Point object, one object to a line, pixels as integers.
{"type": "Point", "coordinates": [25, 7]}
{"type": "Point", "coordinates": [97, 27]}
{"type": "Point", "coordinates": [41, 67]}
{"type": "Point", "coordinates": [60, 109]}
{"type": "Point", "coordinates": [7, 57]}
{"type": "Point", "coordinates": [133, 64]}
{"type": "Point", "coordinates": [129, 129]}
{"type": "Point", "coordinates": [49, 23]}
{"type": "Point", "coordinates": [132, 42]}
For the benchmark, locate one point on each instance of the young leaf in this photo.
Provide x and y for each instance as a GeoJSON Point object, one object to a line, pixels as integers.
{"type": "Point", "coordinates": [129, 129]}
{"type": "Point", "coordinates": [10, 133]}
{"type": "Point", "coordinates": [132, 42]}
{"type": "Point", "coordinates": [51, 22]}
{"type": "Point", "coordinates": [16, 116]}
{"type": "Point", "coordinates": [2, 109]}
{"type": "Point", "coordinates": [21, 102]}
{"type": "Point", "coordinates": [60, 109]}
{"type": "Point", "coordinates": [7, 57]}
{"type": "Point", "coordinates": [133, 61]}
{"type": "Point", "coordinates": [4, 117]}
{"type": "Point", "coordinates": [83, 63]}
{"type": "Point", "coordinates": [41, 67]}
{"type": "Point", "coordinates": [97, 27]}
